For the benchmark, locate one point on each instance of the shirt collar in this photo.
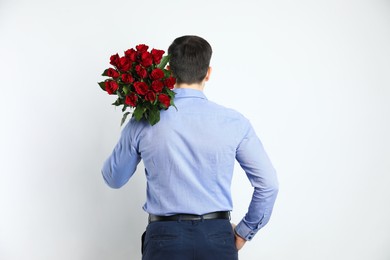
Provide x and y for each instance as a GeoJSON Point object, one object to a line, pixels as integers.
{"type": "Point", "coordinates": [188, 92]}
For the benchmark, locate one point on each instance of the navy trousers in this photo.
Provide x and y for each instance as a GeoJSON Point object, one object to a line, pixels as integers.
{"type": "Point", "coordinates": [189, 240]}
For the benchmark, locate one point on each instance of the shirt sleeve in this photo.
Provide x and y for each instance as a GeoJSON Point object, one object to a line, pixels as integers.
{"type": "Point", "coordinates": [123, 161]}
{"type": "Point", "coordinates": [255, 162]}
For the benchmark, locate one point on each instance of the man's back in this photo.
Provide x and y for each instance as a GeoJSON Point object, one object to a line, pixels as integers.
{"type": "Point", "coordinates": [190, 155]}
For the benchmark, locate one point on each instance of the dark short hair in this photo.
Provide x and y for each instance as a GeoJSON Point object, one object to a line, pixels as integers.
{"type": "Point", "coordinates": [190, 58]}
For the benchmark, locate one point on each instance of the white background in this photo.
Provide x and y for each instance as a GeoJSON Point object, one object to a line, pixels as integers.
{"type": "Point", "coordinates": [312, 76]}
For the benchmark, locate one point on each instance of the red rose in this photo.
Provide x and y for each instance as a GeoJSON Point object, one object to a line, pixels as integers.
{"type": "Point", "coordinates": [170, 82]}
{"type": "Point", "coordinates": [150, 96]}
{"type": "Point", "coordinates": [157, 74]}
{"type": "Point", "coordinates": [157, 55]}
{"type": "Point", "coordinates": [131, 100]}
{"type": "Point", "coordinates": [164, 100]}
{"type": "Point", "coordinates": [114, 60]}
{"type": "Point", "coordinates": [146, 59]}
{"type": "Point", "coordinates": [111, 86]}
{"type": "Point", "coordinates": [112, 73]}
{"type": "Point", "coordinates": [141, 87]}
{"type": "Point", "coordinates": [157, 86]}
{"type": "Point", "coordinates": [124, 64]}
{"type": "Point", "coordinates": [127, 78]}
{"type": "Point", "coordinates": [141, 71]}
{"type": "Point", "coordinates": [142, 47]}
{"type": "Point", "coordinates": [131, 54]}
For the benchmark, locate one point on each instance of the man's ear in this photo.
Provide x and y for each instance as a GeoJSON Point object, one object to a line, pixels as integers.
{"type": "Point", "coordinates": [209, 70]}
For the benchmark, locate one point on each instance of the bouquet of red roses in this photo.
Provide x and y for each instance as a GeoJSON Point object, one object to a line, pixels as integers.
{"type": "Point", "coordinates": [141, 83]}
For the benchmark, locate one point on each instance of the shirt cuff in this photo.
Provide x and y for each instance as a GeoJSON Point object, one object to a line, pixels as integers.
{"type": "Point", "coordinates": [245, 232]}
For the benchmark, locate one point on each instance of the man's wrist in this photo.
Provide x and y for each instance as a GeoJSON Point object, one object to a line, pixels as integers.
{"type": "Point", "coordinates": [238, 235]}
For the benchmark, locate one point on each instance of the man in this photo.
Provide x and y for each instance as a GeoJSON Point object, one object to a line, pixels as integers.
{"type": "Point", "coordinates": [189, 158]}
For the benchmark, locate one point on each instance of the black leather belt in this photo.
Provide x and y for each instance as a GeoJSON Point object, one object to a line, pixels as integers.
{"type": "Point", "coordinates": [213, 215]}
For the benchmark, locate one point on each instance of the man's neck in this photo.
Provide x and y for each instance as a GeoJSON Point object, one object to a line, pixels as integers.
{"type": "Point", "coordinates": [197, 86]}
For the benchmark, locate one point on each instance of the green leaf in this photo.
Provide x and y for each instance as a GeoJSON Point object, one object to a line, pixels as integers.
{"type": "Point", "coordinates": [105, 73]}
{"type": "Point", "coordinates": [154, 116]}
{"type": "Point", "coordinates": [117, 102]}
{"type": "Point", "coordinates": [172, 104]}
{"type": "Point", "coordinates": [102, 85]}
{"type": "Point", "coordinates": [167, 73]}
{"type": "Point", "coordinates": [124, 117]}
{"type": "Point", "coordinates": [170, 93]}
{"type": "Point", "coordinates": [164, 61]}
{"type": "Point", "coordinates": [119, 94]}
{"type": "Point", "coordinates": [138, 113]}
{"type": "Point", "coordinates": [124, 108]}
{"type": "Point", "coordinates": [126, 89]}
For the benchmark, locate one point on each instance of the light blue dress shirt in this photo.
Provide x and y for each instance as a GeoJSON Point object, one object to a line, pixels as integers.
{"type": "Point", "coordinates": [189, 158]}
